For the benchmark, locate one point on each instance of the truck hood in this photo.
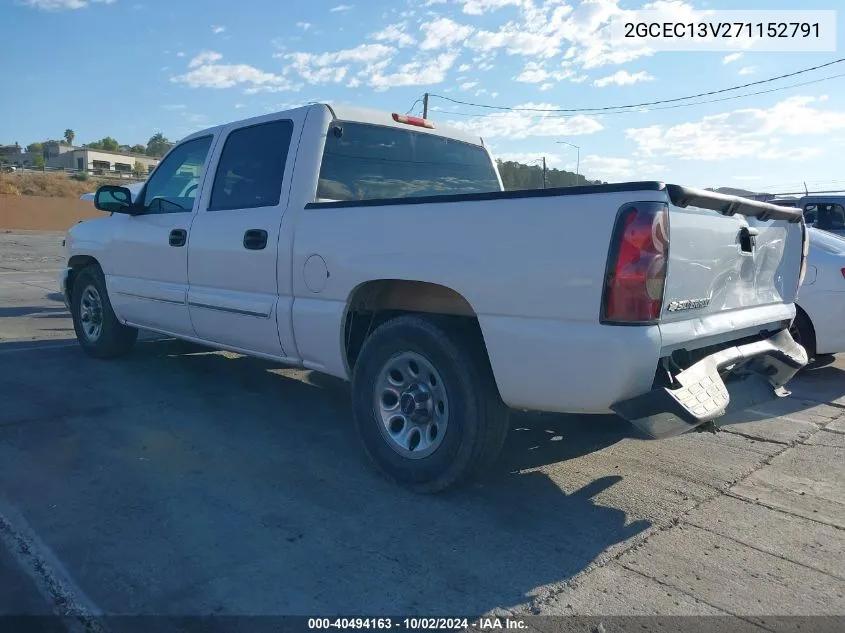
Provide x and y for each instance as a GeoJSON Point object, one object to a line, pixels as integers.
{"type": "Point", "coordinates": [134, 189]}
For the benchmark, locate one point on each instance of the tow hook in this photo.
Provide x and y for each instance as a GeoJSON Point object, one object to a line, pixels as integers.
{"type": "Point", "coordinates": [707, 426]}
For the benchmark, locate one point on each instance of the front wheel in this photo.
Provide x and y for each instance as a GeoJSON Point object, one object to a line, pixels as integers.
{"type": "Point", "coordinates": [425, 404]}
{"type": "Point", "coordinates": [97, 329]}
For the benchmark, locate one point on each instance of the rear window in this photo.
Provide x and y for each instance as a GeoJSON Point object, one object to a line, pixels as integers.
{"type": "Point", "coordinates": [371, 162]}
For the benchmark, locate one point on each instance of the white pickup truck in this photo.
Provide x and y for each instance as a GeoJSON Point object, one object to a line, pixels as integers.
{"type": "Point", "coordinates": [381, 249]}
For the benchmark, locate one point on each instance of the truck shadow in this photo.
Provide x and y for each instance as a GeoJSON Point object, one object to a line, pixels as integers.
{"type": "Point", "coordinates": [34, 311]}
{"type": "Point", "coordinates": [287, 438]}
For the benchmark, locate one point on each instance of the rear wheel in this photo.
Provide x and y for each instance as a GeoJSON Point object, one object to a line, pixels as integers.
{"type": "Point", "coordinates": [97, 328]}
{"type": "Point", "coordinates": [803, 333]}
{"type": "Point", "coordinates": [425, 404]}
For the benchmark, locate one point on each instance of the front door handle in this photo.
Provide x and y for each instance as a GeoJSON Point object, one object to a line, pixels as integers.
{"type": "Point", "coordinates": [255, 239]}
{"type": "Point", "coordinates": [178, 237]}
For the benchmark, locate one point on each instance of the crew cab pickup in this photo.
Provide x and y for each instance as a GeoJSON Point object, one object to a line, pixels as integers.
{"type": "Point", "coordinates": [381, 249]}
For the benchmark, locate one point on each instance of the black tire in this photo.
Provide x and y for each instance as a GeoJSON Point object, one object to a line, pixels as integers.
{"type": "Point", "coordinates": [803, 332]}
{"type": "Point", "coordinates": [477, 422]}
{"type": "Point", "coordinates": [114, 339]}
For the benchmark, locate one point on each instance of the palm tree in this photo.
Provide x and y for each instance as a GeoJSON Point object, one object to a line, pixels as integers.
{"type": "Point", "coordinates": [69, 136]}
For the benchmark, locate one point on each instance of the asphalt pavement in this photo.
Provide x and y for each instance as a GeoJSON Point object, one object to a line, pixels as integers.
{"type": "Point", "coordinates": [184, 481]}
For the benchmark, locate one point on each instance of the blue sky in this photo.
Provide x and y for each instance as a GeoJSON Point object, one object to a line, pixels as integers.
{"type": "Point", "coordinates": [128, 68]}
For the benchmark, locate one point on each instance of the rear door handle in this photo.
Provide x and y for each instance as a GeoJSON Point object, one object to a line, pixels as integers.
{"type": "Point", "coordinates": [255, 239]}
{"type": "Point", "coordinates": [178, 237]}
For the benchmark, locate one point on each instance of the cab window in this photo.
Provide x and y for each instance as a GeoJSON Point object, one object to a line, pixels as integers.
{"type": "Point", "coordinates": [252, 167]}
{"type": "Point", "coordinates": [172, 186]}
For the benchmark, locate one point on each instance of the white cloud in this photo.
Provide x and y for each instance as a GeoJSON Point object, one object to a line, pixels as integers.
{"type": "Point", "coordinates": [303, 25]}
{"type": "Point", "coordinates": [727, 59]}
{"type": "Point", "coordinates": [180, 54]}
{"type": "Point", "coordinates": [217, 30]}
{"type": "Point", "coordinates": [586, 28]}
{"type": "Point", "coordinates": [443, 32]}
{"type": "Point", "coordinates": [63, 5]}
{"type": "Point", "coordinates": [394, 33]}
{"type": "Point", "coordinates": [479, 7]}
{"type": "Point", "coordinates": [546, 86]}
{"type": "Point", "coordinates": [534, 73]}
{"type": "Point", "coordinates": [206, 73]}
{"type": "Point", "coordinates": [468, 84]}
{"type": "Point", "coordinates": [361, 53]}
{"type": "Point", "coordinates": [340, 7]}
{"type": "Point", "coordinates": [612, 169]}
{"type": "Point", "coordinates": [748, 70]}
{"type": "Point", "coordinates": [416, 72]}
{"type": "Point", "coordinates": [463, 68]}
{"type": "Point", "coordinates": [622, 78]}
{"type": "Point", "coordinates": [205, 57]}
{"type": "Point", "coordinates": [519, 125]}
{"type": "Point", "coordinates": [316, 68]}
{"type": "Point", "coordinates": [746, 133]}
{"type": "Point", "coordinates": [516, 41]}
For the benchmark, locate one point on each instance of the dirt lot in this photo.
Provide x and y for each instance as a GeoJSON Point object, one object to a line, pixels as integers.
{"type": "Point", "coordinates": [31, 201]}
{"type": "Point", "coordinates": [185, 481]}
{"type": "Point", "coordinates": [51, 184]}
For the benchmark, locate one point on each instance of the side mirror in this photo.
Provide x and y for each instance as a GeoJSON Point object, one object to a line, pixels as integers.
{"type": "Point", "coordinates": [114, 199]}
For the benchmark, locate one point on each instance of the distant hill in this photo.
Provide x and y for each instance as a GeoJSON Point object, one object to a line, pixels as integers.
{"type": "Point", "coordinates": [516, 176]}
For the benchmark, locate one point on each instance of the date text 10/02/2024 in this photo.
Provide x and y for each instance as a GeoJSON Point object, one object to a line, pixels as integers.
{"type": "Point", "coordinates": [418, 623]}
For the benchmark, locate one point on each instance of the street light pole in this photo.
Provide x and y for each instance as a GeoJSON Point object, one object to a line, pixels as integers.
{"type": "Point", "coordinates": [577, 159]}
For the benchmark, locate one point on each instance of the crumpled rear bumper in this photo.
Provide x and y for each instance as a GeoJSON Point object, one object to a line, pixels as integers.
{"type": "Point", "coordinates": [704, 392]}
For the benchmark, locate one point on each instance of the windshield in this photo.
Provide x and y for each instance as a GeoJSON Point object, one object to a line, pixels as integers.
{"type": "Point", "coordinates": [366, 162]}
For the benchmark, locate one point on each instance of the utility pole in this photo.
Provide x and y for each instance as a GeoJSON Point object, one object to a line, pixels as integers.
{"type": "Point", "coordinates": [425, 105]}
{"type": "Point", "coordinates": [544, 172]}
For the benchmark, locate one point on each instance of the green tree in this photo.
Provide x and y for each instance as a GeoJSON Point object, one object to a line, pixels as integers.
{"type": "Point", "coordinates": [39, 161]}
{"type": "Point", "coordinates": [140, 170]}
{"type": "Point", "coordinates": [107, 143]}
{"type": "Point", "coordinates": [35, 147]}
{"type": "Point", "coordinates": [110, 144]}
{"type": "Point", "coordinates": [520, 176]}
{"type": "Point", "coordinates": [138, 149]}
{"type": "Point", "coordinates": [69, 136]}
{"type": "Point", "coordinates": [158, 145]}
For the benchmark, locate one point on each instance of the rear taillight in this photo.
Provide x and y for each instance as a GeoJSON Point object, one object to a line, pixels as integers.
{"type": "Point", "coordinates": [843, 272]}
{"type": "Point", "coordinates": [805, 250]}
{"type": "Point", "coordinates": [636, 271]}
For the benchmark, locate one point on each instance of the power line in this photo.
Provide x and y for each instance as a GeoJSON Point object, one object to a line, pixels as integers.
{"type": "Point", "coordinates": [670, 107]}
{"type": "Point", "coordinates": [648, 103]}
{"type": "Point", "coordinates": [414, 105]}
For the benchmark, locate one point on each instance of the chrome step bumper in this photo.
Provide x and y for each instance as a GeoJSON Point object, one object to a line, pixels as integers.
{"type": "Point", "coordinates": [757, 373]}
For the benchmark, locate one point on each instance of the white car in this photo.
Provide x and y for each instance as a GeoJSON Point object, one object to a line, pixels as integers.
{"type": "Point", "coordinates": [380, 248]}
{"type": "Point", "coordinates": [820, 320]}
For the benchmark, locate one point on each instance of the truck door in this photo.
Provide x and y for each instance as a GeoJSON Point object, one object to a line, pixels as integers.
{"type": "Point", "coordinates": [233, 295]}
{"type": "Point", "coordinates": [147, 276]}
